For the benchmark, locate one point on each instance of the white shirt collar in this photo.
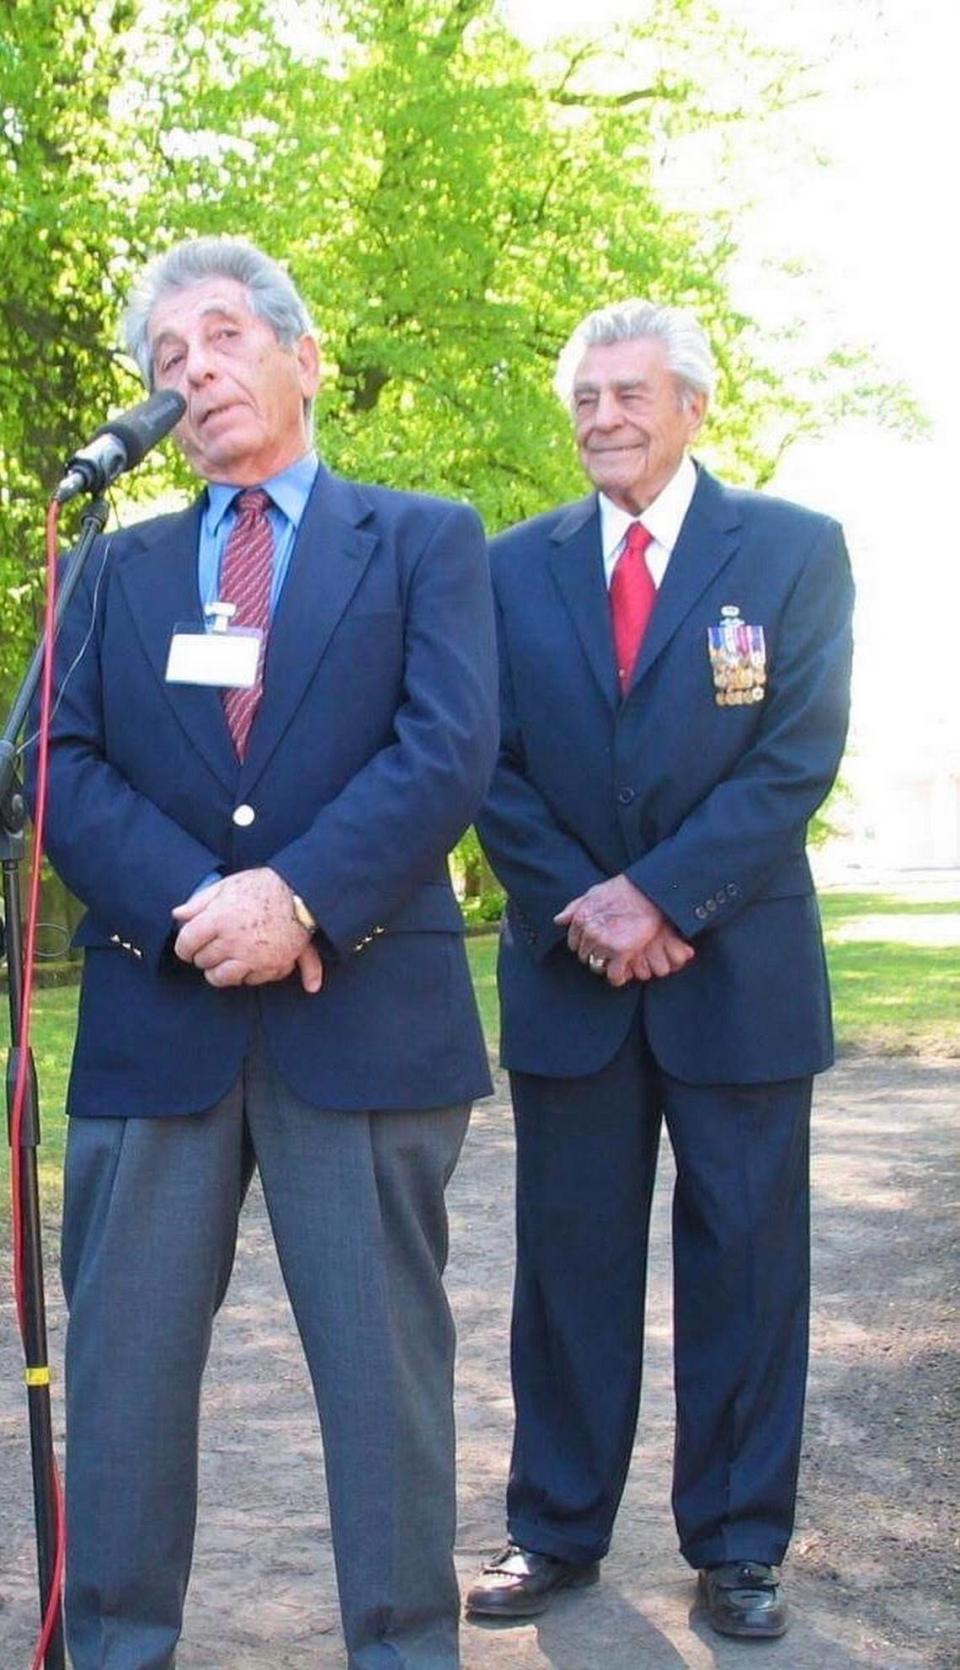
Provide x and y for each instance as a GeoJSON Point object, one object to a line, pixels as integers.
{"type": "Point", "coordinates": [663, 518]}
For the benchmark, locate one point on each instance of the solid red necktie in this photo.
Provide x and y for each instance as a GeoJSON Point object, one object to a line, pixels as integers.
{"type": "Point", "coordinates": [245, 581]}
{"type": "Point", "coordinates": [632, 596]}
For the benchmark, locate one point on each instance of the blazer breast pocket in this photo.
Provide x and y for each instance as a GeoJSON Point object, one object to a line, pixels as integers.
{"type": "Point", "coordinates": [369, 629]}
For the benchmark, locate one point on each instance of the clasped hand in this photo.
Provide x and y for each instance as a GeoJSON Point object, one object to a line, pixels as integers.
{"type": "Point", "coordinates": [242, 932]}
{"type": "Point", "coordinates": [616, 925]}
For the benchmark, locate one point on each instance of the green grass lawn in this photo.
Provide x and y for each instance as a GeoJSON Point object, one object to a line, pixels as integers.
{"type": "Point", "coordinates": [893, 990]}
{"type": "Point", "coordinates": [892, 993]}
{"type": "Point", "coordinates": [837, 908]}
{"type": "Point", "coordinates": [54, 1017]}
{"type": "Point", "coordinates": [482, 952]}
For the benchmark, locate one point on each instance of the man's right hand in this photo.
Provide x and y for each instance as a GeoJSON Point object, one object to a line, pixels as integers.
{"type": "Point", "coordinates": [616, 923]}
{"type": "Point", "coordinates": [242, 932]}
{"type": "Point", "coordinates": [667, 953]}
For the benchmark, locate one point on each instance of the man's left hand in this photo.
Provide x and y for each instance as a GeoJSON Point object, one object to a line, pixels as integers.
{"type": "Point", "coordinates": [242, 931]}
{"type": "Point", "coordinates": [616, 925]}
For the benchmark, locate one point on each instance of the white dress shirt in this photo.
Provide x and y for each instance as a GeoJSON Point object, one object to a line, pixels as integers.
{"type": "Point", "coordinates": [663, 518]}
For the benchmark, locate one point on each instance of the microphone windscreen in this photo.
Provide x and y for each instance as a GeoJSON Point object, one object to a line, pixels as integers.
{"type": "Point", "coordinates": [143, 426]}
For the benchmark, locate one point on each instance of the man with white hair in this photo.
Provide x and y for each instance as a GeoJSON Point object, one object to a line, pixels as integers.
{"type": "Point", "coordinates": [276, 714]}
{"type": "Point", "coordinates": [674, 686]}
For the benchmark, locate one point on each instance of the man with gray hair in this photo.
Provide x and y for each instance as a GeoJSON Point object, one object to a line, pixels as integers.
{"type": "Point", "coordinates": [674, 686]}
{"type": "Point", "coordinates": [276, 714]}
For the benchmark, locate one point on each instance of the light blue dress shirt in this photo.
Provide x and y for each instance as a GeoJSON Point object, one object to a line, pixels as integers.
{"type": "Point", "coordinates": [289, 491]}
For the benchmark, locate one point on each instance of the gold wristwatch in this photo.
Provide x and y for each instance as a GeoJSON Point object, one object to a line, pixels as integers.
{"type": "Point", "coordinates": [303, 914]}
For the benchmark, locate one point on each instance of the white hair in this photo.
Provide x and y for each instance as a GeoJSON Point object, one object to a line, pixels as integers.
{"type": "Point", "coordinates": [684, 339]}
{"type": "Point", "coordinates": [272, 293]}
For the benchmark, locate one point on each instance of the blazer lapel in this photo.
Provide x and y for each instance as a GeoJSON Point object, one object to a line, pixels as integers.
{"type": "Point", "coordinates": [328, 560]}
{"type": "Point", "coordinates": [576, 561]}
{"type": "Point", "coordinates": [709, 537]}
{"type": "Point", "coordinates": [159, 579]}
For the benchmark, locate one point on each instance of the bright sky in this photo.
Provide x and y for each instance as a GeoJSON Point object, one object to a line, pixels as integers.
{"type": "Point", "coordinates": [859, 185]}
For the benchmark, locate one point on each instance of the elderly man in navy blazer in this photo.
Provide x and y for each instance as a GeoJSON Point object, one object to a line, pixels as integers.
{"type": "Point", "coordinates": [674, 682]}
{"type": "Point", "coordinates": [276, 713]}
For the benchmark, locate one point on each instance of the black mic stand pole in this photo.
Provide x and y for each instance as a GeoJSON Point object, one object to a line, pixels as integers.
{"type": "Point", "coordinates": [37, 1374]}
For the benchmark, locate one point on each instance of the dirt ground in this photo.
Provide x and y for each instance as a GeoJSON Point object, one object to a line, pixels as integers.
{"type": "Point", "coordinates": [874, 1573]}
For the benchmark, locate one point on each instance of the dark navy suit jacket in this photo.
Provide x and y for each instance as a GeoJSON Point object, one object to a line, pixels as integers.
{"type": "Point", "coordinates": [371, 751]}
{"type": "Point", "coordinates": [704, 807]}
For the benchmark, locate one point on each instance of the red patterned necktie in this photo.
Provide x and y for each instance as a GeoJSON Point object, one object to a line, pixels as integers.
{"type": "Point", "coordinates": [632, 596]}
{"type": "Point", "coordinates": [245, 579]}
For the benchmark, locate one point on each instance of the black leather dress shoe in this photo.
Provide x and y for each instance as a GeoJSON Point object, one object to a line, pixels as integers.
{"type": "Point", "coordinates": [517, 1583]}
{"type": "Point", "coordinates": [743, 1598]}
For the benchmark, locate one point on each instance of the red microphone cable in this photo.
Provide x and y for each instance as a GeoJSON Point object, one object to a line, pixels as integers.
{"type": "Point", "coordinates": [52, 1611]}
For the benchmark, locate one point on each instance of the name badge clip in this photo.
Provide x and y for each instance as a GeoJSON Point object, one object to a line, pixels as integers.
{"type": "Point", "coordinates": [219, 615]}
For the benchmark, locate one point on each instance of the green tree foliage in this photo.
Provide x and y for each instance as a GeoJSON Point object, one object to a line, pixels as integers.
{"type": "Point", "coordinates": [452, 204]}
{"type": "Point", "coordinates": [57, 365]}
{"type": "Point", "coordinates": [449, 201]}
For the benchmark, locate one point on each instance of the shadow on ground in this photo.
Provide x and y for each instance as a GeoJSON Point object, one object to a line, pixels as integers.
{"type": "Point", "coordinates": [873, 1575]}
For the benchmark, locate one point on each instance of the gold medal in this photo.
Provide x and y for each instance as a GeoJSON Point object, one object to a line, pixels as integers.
{"type": "Point", "coordinates": [738, 659]}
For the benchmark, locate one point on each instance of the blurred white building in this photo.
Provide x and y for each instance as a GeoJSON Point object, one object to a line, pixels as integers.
{"type": "Point", "coordinates": [903, 764]}
{"type": "Point", "coordinates": [905, 810]}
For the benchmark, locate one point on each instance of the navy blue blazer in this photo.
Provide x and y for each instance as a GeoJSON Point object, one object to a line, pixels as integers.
{"type": "Point", "coordinates": [371, 751]}
{"type": "Point", "coordinates": [704, 807]}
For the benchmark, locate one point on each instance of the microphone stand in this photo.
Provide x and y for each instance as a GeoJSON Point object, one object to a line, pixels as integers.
{"type": "Point", "coordinates": [13, 816]}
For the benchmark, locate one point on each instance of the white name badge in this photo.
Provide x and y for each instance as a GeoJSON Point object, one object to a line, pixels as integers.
{"type": "Point", "coordinates": [226, 659]}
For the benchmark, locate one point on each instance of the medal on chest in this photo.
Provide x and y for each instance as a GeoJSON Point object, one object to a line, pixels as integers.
{"type": "Point", "coordinates": [738, 659]}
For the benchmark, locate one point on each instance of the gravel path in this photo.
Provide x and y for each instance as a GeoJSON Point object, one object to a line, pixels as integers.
{"type": "Point", "coordinates": [874, 1575]}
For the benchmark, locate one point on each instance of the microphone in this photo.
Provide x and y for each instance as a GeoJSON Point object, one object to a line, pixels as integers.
{"type": "Point", "coordinates": [120, 444]}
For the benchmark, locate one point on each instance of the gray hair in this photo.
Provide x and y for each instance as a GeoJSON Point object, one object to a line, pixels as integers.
{"type": "Point", "coordinates": [688, 351]}
{"type": "Point", "coordinates": [272, 294]}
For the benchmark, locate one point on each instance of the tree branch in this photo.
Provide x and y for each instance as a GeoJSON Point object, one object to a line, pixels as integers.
{"type": "Point", "coordinates": [611, 101]}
